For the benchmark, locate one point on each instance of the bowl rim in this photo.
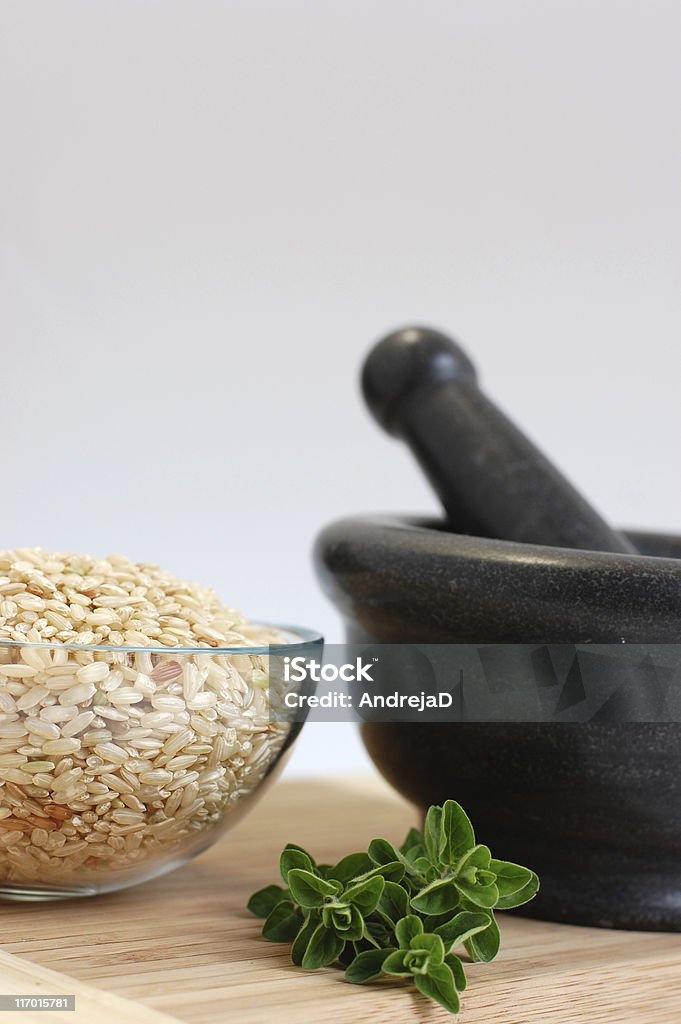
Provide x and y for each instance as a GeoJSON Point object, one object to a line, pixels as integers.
{"type": "Point", "coordinates": [300, 636]}
{"type": "Point", "coordinates": [383, 529]}
{"type": "Point", "coordinates": [394, 576]}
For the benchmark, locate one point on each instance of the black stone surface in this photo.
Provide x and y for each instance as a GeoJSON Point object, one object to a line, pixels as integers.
{"type": "Point", "coordinates": [595, 808]}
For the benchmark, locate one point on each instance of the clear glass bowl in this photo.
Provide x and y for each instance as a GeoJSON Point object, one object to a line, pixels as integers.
{"type": "Point", "coordinates": [118, 764]}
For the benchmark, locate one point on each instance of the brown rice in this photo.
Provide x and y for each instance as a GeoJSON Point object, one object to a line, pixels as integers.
{"type": "Point", "coordinates": [113, 760]}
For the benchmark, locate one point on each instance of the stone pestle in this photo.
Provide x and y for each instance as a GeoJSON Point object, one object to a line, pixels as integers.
{"type": "Point", "coordinates": [492, 481]}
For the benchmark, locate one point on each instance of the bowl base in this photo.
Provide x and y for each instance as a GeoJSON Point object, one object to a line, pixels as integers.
{"type": "Point", "coordinates": [41, 894]}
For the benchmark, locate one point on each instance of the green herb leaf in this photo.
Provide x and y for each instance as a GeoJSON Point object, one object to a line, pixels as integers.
{"type": "Point", "coordinates": [431, 922]}
{"type": "Point", "coordinates": [323, 949]}
{"type": "Point", "coordinates": [394, 902]}
{"type": "Point", "coordinates": [438, 984]}
{"type": "Point", "coordinates": [301, 849]}
{"type": "Point", "coordinates": [485, 945]}
{"type": "Point", "coordinates": [458, 836]}
{"type": "Point", "coordinates": [309, 890]}
{"type": "Point", "coordinates": [432, 834]}
{"type": "Point", "coordinates": [413, 845]}
{"type": "Point", "coordinates": [265, 900]}
{"type": "Point", "coordinates": [461, 927]}
{"type": "Point", "coordinates": [510, 878]}
{"type": "Point", "coordinates": [365, 895]}
{"type": "Point", "coordinates": [394, 964]}
{"type": "Point", "coordinates": [349, 867]}
{"type": "Point", "coordinates": [293, 857]}
{"type": "Point", "coordinates": [383, 852]}
{"type": "Point", "coordinates": [439, 897]}
{"type": "Point", "coordinates": [473, 876]}
{"type": "Point", "coordinates": [407, 929]}
{"type": "Point", "coordinates": [478, 858]}
{"type": "Point", "coordinates": [484, 896]}
{"type": "Point", "coordinates": [457, 969]}
{"type": "Point", "coordinates": [377, 932]}
{"type": "Point", "coordinates": [393, 872]}
{"type": "Point", "coordinates": [283, 923]}
{"type": "Point", "coordinates": [302, 939]}
{"type": "Point", "coordinates": [431, 945]}
{"type": "Point", "coordinates": [367, 966]}
{"type": "Point", "coordinates": [425, 870]}
{"type": "Point", "coordinates": [345, 920]}
{"type": "Point", "coordinates": [523, 895]}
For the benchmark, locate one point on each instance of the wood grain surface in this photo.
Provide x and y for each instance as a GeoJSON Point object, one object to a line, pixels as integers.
{"type": "Point", "coordinates": [185, 947]}
{"type": "Point", "coordinates": [19, 977]}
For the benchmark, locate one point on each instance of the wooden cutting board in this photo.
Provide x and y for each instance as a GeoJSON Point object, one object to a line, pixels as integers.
{"type": "Point", "coordinates": [183, 948]}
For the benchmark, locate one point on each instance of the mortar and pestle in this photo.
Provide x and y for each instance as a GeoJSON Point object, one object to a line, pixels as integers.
{"type": "Point", "coordinates": [522, 558]}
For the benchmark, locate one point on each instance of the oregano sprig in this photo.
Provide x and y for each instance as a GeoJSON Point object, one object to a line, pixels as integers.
{"type": "Point", "coordinates": [397, 912]}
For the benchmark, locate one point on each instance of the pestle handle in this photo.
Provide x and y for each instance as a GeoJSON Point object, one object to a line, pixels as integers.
{"type": "Point", "coordinates": [421, 386]}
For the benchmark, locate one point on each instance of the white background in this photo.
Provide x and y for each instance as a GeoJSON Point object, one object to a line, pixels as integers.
{"type": "Point", "coordinates": [211, 209]}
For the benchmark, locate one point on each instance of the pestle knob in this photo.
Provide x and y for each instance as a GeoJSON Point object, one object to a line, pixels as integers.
{"type": "Point", "coordinates": [421, 386]}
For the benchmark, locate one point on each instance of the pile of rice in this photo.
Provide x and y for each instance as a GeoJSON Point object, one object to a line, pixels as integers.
{"type": "Point", "coordinates": [113, 758]}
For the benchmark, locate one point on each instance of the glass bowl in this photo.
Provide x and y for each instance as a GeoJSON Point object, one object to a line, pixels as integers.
{"type": "Point", "coordinates": [118, 764]}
